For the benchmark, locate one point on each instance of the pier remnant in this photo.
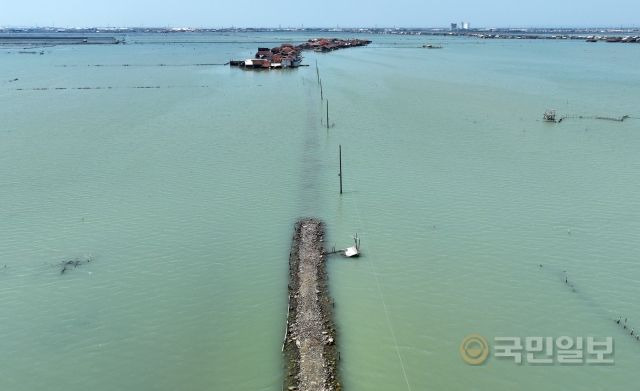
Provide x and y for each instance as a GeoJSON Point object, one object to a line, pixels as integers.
{"type": "Point", "coordinates": [310, 338]}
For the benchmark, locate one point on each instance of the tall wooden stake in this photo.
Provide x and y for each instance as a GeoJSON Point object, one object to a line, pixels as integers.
{"type": "Point", "coordinates": [327, 113]}
{"type": "Point", "coordinates": [340, 174]}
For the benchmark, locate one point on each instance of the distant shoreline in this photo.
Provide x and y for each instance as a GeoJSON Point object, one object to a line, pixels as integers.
{"type": "Point", "coordinates": [97, 35]}
{"type": "Point", "coordinates": [362, 30]}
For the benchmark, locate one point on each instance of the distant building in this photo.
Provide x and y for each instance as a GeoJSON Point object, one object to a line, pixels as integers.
{"type": "Point", "coordinates": [454, 26]}
{"type": "Point", "coordinates": [465, 25]}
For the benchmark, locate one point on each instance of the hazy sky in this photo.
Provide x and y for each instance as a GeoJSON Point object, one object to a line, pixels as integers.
{"type": "Point", "coordinates": [346, 13]}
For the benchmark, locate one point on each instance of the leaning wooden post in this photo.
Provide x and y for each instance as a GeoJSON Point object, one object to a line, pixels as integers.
{"type": "Point", "coordinates": [340, 174]}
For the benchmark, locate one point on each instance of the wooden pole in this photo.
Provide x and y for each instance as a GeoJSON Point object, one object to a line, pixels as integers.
{"type": "Point", "coordinates": [327, 113]}
{"type": "Point", "coordinates": [340, 174]}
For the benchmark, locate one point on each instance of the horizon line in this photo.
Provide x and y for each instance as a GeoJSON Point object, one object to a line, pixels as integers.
{"type": "Point", "coordinates": [302, 27]}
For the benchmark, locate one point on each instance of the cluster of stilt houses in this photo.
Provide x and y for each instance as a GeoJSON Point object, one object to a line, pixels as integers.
{"type": "Point", "coordinates": [290, 56]}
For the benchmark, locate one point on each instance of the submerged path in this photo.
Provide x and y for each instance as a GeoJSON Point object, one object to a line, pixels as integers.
{"type": "Point", "coordinates": [309, 346]}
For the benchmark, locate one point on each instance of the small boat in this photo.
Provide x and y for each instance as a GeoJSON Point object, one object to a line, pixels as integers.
{"type": "Point", "coordinates": [430, 46]}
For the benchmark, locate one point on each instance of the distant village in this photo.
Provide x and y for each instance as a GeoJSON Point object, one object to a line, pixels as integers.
{"type": "Point", "coordinates": [290, 56]}
{"type": "Point", "coordinates": [462, 29]}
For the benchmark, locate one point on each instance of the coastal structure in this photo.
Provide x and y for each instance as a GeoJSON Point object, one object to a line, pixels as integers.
{"type": "Point", "coordinates": [290, 56]}
{"type": "Point", "coordinates": [309, 345]}
{"type": "Point", "coordinates": [57, 39]}
{"type": "Point", "coordinates": [460, 26]}
{"type": "Point", "coordinates": [529, 36]}
{"type": "Point", "coordinates": [353, 251]}
{"type": "Point", "coordinates": [327, 45]}
{"type": "Point", "coordinates": [283, 56]}
{"type": "Point", "coordinates": [614, 39]}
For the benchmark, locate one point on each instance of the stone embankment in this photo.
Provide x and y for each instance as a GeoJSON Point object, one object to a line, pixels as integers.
{"type": "Point", "coordinates": [310, 341]}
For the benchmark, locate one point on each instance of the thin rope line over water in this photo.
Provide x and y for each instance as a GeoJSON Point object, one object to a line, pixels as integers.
{"type": "Point", "coordinates": [372, 266]}
{"type": "Point", "coordinates": [384, 303]}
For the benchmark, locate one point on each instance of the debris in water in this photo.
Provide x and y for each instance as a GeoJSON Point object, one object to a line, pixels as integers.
{"type": "Point", "coordinates": [551, 116]}
{"type": "Point", "coordinates": [74, 263]}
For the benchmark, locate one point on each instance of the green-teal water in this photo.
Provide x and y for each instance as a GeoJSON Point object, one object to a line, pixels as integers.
{"type": "Point", "coordinates": [185, 197]}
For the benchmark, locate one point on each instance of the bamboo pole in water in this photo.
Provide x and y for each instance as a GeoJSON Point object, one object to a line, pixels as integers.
{"type": "Point", "coordinates": [340, 158]}
{"type": "Point", "coordinates": [327, 113]}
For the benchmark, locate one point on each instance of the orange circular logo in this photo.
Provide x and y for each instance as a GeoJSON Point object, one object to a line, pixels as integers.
{"type": "Point", "coordinates": [474, 349]}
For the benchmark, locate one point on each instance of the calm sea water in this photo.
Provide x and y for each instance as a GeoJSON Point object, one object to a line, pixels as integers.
{"type": "Point", "coordinates": [185, 196]}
